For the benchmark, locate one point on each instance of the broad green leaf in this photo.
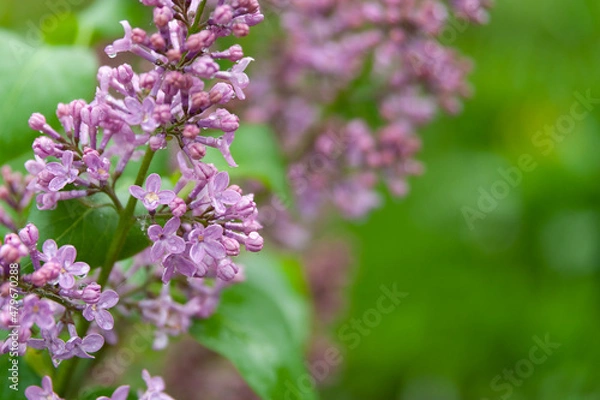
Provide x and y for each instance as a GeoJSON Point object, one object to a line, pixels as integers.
{"type": "Point", "coordinates": [23, 378]}
{"type": "Point", "coordinates": [90, 230]}
{"type": "Point", "coordinates": [261, 326]}
{"type": "Point", "coordinates": [35, 79]}
{"type": "Point", "coordinates": [256, 151]}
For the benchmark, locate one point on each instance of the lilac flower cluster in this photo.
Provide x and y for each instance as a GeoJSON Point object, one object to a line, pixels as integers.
{"type": "Point", "coordinates": [197, 227]}
{"type": "Point", "coordinates": [155, 390]}
{"type": "Point", "coordinates": [393, 51]}
{"type": "Point", "coordinates": [46, 300]}
{"type": "Point", "coordinates": [202, 223]}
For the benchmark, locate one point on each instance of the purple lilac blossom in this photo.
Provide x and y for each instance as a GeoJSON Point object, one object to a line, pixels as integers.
{"type": "Point", "coordinates": [196, 228]}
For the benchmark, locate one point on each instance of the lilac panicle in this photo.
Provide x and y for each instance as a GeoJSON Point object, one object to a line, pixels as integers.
{"type": "Point", "coordinates": [327, 47]}
{"type": "Point", "coordinates": [197, 228]}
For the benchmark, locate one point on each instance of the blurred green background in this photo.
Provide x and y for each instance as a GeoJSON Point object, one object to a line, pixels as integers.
{"type": "Point", "coordinates": [531, 267]}
{"type": "Point", "coordinates": [477, 297]}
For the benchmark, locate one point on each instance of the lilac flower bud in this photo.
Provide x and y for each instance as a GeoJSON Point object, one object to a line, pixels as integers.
{"type": "Point", "coordinates": [206, 171]}
{"type": "Point", "coordinates": [173, 55]}
{"type": "Point", "coordinates": [4, 194]}
{"type": "Point", "coordinates": [236, 188]}
{"type": "Point", "coordinates": [232, 246]}
{"type": "Point", "coordinates": [148, 80]}
{"type": "Point", "coordinates": [240, 30]}
{"type": "Point", "coordinates": [158, 42]}
{"type": "Point", "coordinates": [178, 207]}
{"type": "Point", "coordinates": [200, 40]}
{"type": "Point", "coordinates": [199, 101]}
{"type": "Point", "coordinates": [158, 142]}
{"type": "Point", "coordinates": [37, 121]}
{"type": "Point", "coordinates": [234, 53]}
{"type": "Point", "coordinates": [226, 269]}
{"type": "Point", "coordinates": [197, 150]}
{"type": "Point", "coordinates": [223, 14]}
{"type": "Point", "coordinates": [162, 16]}
{"type": "Point", "coordinates": [205, 67]}
{"type": "Point", "coordinates": [254, 242]}
{"type": "Point", "coordinates": [221, 93]}
{"type": "Point", "coordinates": [190, 131]}
{"type": "Point", "coordinates": [138, 36]}
{"type": "Point", "coordinates": [47, 273]}
{"type": "Point", "coordinates": [9, 254]}
{"type": "Point", "coordinates": [162, 113]}
{"type": "Point", "coordinates": [244, 207]}
{"type": "Point", "coordinates": [123, 74]}
{"type": "Point", "coordinates": [12, 239]}
{"type": "Point", "coordinates": [91, 293]}
{"type": "Point", "coordinates": [44, 147]}
{"type": "Point", "coordinates": [29, 235]}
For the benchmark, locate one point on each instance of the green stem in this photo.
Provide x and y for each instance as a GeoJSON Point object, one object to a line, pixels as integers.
{"type": "Point", "coordinates": [126, 222]}
{"type": "Point", "coordinates": [196, 25]}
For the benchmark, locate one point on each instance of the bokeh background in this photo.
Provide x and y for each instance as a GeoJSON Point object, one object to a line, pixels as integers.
{"type": "Point", "coordinates": [478, 293]}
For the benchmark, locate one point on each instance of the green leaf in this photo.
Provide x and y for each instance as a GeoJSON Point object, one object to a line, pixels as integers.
{"type": "Point", "coordinates": [90, 230]}
{"type": "Point", "coordinates": [35, 79]}
{"type": "Point", "coordinates": [256, 151]}
{"type": "Point", "coordinates": [24, 377]}
{"type": "Point", "coordinates": [261, 326]}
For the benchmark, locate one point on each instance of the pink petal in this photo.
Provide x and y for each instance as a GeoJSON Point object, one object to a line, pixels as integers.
{"type": "Point", "coordinates": [58, 183]}
{"type": "Point", "coordinates": [105, 320]}
{"type": "Point", "coordinates": [157, 250]}
{"type": "Point", "coordinates": [176, 245]}
{"type": "Point", "coordinates": [108, 299]}
{"type": "Point", "coordinates": [153, 183]}
{"type": "Point", "coordinates": [154, 232]}
{"type": "Point", "coordinates": [67, 254]}
{"type": "Point", "coordinates": [215, 249]}
{"type": "Point", "coordinates": [137, 191]}
{"type": "Point", "coordinates": [230, 196]}
{"type": "Point", "coordinates": [213, 232]}
{"type": "Point", "coordinates": [66, 281]}
{"type": "Point", "coordinates": [171, 226]}
{"type": "Point", "coordinates": [50, 247]}
{"type": "Point", "coordinates": [220, 181]}
{"type": "Point", "coordinates": [166, 196]}
{"type": "Point", "coordinates": [79, 268]}
{"type": "Point", "coordinates": [197, 252]}
{"type": "Point", "coordinates": [55, 168]}
{"type": "Point", "coordinates": [93, 342]}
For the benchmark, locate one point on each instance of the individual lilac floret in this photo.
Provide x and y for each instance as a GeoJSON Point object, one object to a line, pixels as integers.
{"type": "Point", "coordinates": [207, 241]}
{"type": "Point", "coordinates": [152, 197]}
{"type": "Point", "coordinates": [238, 79]}
{"type": "Point", "coordinates": [36, 311]}
{"type": "Point", "coordinates": [98, 311]}
{"type": "Point", "coordinates": [219, 194]}
{"type": "Point", "coordinates": [78, 347]}
{"type": "Point", "coordinates": [69, 268]}
{"type": "Point", "coordinates": [141, 114]}
{"type": "Point", "coordinates": [98, 167]}
{"type": "Point", "coordinates": [156, 386]}
{"type": "Point", "coordinates": [165, 239]}
{"type": "Point", "coordinates": [120, 393]}
{"type": "Point", "coordinates": [63, 172]}
{"type": "Point", "coordinates": [46, 392]}
{"type": "Point", "coordinates": [183, 265]}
